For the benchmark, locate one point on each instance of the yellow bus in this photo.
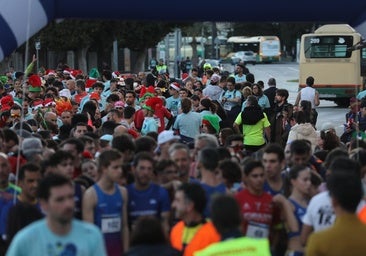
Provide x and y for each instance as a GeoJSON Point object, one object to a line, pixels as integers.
{"type": "Point", "coordinates": [267, 48]}
{"type": "Point", "coordinates": [338, 70]}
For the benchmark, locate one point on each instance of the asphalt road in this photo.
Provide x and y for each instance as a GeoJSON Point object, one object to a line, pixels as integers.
{"type": "Point", "coordinates": [286, 75]}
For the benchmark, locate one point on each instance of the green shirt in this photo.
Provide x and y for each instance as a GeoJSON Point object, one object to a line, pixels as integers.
{"type": "Point", "coordinates": [253, 134]}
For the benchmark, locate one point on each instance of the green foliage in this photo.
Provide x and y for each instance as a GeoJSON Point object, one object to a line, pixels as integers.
{"type": "Point", "coordinates": [76, 34]}
{"type": "Point", "coordinates": [71, 34]}
{"type": "Point", "coordinates": [288, 32]}
{"type": "Point", "coordinates": [138, 36]}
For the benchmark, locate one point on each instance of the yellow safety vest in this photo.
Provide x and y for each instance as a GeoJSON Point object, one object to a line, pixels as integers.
{"type": "Point", "coordinates": [236, 247]}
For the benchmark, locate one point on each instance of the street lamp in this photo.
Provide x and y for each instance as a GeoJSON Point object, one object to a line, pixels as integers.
{"type": "Point", "coordinates": [37, 45]}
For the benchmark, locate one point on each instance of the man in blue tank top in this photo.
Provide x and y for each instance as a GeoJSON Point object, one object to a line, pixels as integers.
{"type": "Point", "coordinates": [207, 163]}
{"type": "Point", "coordinates": [105, 203]}
{"type": "Point", "coordinates": [145, 197]}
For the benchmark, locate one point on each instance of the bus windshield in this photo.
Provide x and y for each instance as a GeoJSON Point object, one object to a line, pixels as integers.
{"type": "Point", "coordinates": [270, 47]}
{"type": "Point", "coordinates": [254, 47]}
{"type": "Point", "coordinates": [327, 46]}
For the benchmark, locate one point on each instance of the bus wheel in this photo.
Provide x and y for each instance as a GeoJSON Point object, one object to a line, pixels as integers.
{"type": "Point", "coordinates": [342, 102]}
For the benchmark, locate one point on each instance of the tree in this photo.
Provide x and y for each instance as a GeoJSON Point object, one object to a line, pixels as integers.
{"type": "Point", "coordinates": [194, 31]}
{"type": "Point", "coordinates": [76, 35]}
{"type": "Point", "coordinates": [139, 36]}
{"type": "Point", "coordinates": [82, 35]}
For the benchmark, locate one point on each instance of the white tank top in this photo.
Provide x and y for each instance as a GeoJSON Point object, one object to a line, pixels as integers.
{"type": "Point", "coordinates": [308, 93]}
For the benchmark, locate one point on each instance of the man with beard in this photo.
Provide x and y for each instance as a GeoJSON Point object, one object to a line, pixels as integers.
{"type": "Point", "coordinates": [180, 154]}
{"type": "Point", "coordinates": [145, 197]}
{"type": "Point", "coordinates": [27, 207]}
{"type": "Point", "coordinates": [193, 232]}
{"type": "Point", "coordinates": [279, 119]}
{"type": "Point", "coordinates": [58, 233]}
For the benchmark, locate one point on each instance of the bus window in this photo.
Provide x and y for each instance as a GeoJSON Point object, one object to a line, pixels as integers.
{"type": "Point", "coordinates": [338, 72]}
{"type": "Point", "coordinates": [327, 46]}
{"type": "Point", "coordinates": [267, 48]}
{"type": "Point", "coordinates": [363, 62]}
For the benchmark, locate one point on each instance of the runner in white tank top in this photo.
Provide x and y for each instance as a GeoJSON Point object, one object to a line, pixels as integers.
{"type": "Point", "coordinates": [310, 94]}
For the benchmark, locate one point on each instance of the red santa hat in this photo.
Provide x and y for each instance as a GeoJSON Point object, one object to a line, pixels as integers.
{"type": "Point", "coordinates": [175, 86]}
{"type": "Point", "coordinates": [50, 72]}
{"type": "Point", "coordinates": [116, 74]}
{"type": "Point", "coordinates": [89, 82]}
{"type": "Point", "coordinates": [76, 72]}
{"type": "Point", "coordinates": [48, 102]}
{"type": "Point", "coordinates": [37, 104]}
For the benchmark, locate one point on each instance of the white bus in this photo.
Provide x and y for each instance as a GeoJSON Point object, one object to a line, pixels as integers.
{"type": "Point", "coordinates": [267, 48]}
{"type": "Point", "coordinates": [338, 71]}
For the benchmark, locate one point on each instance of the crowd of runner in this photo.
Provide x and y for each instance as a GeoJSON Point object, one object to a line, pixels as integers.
{"type": "Point", "coordinates": [211, 163]}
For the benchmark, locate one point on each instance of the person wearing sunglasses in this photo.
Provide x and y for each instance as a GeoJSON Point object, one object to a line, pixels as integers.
{"type": "Point", "coordinates": [15, 115]}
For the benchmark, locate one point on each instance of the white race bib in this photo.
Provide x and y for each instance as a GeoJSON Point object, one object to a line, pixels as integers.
{"type": "Point", "coordinates": [227, 106]}
{"type": "Point", "coordinates": [111, 224]}
{"type": "Point", "coordinates": [257, 230]}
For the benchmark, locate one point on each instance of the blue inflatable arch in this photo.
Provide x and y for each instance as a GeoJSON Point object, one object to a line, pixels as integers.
{"type": "Point", "coordinates": [21, 19]}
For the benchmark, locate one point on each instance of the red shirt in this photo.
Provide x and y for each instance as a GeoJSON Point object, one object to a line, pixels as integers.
{"type": "Point", "coordinates": [139, 119]}
{"type": "Point", "coordinates": [161, 113]}
{"type": "Point", "coordinates": [258, 213]}
{"type": "Point", "coordinates": [79, 97]}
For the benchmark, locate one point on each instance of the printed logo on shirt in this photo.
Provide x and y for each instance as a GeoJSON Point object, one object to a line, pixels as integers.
{"type": "Point", "coordinates": [326, 215]}
{"type": "Point", "coordinates": [152, 201]}
{"type": "Point", "coordinates": [68, 249]}
{"type": "Point", "coordinates": [246, 206]}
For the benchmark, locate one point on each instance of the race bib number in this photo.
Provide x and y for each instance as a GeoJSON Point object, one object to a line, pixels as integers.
{"type": "Point", "coordinates": [111, 224]}
{"type": "Point", "coordinates": [257, 230]}
{"type": "Point", "coordinates": [227, 106]}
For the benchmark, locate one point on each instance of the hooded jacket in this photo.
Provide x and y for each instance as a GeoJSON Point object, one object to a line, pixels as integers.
{"type": "Point", "coordinates": [303, 131]}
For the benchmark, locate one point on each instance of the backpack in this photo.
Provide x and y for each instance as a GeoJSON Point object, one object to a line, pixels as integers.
{"type": "Point", "coordinates": [242, 96]}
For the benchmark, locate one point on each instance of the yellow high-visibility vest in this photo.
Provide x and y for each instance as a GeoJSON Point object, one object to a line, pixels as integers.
{"type": "Point", "coordinates": [236, 247]}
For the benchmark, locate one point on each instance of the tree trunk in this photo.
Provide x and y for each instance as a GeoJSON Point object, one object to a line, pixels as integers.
{"type": "Point", "coordinates": [194, 52]}
{"type": "Point", "coordinates": [214, 35]}
{"type": "Point", "coordinates": [140, 62]}
{"type": "Point", "coordinates": [82, 62]}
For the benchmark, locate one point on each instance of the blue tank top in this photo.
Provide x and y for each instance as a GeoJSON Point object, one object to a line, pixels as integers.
{"type": "Point", "coordinates": [78, 196]}
{"type": "Point", "coordinates": [273, 192]}
{"type": "Point", "coordinates": [108, 217]}
{"type": "Point", "coordinates": [150, 202]}
{"type": "Point", "coordinates": [210, 191]}
{"type": "Point", "coordinates": [299, 213]}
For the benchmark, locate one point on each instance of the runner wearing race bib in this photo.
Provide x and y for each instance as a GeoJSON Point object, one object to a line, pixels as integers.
{"type": "Point", "coordinates": [105, 203]}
